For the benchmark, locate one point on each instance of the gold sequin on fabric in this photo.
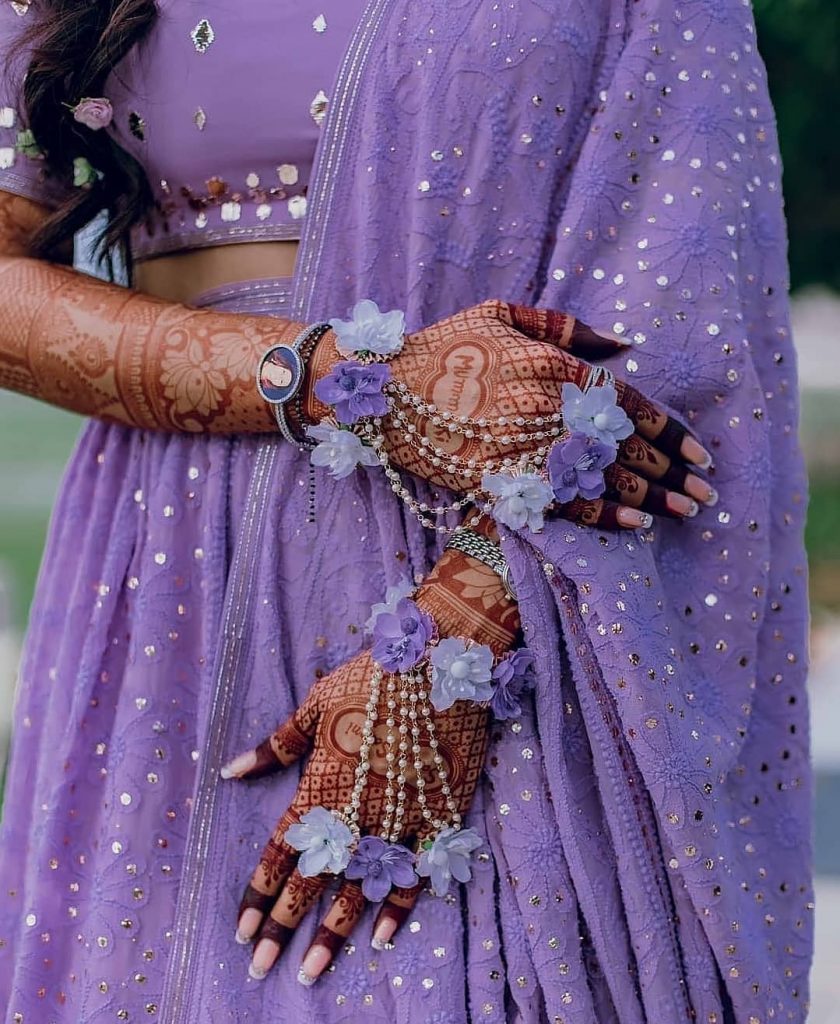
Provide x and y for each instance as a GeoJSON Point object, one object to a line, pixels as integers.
{"type": "Point", "coordinates": [202, 36]}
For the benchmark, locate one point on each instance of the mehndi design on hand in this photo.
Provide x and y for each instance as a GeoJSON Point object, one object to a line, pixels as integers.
{"type": "Point", "coordinates": [464, 597]}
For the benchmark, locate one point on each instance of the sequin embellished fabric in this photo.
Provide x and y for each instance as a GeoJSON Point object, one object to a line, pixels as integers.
{"type": "Point", "coordinates": [223, 105]}
{"type": "Point", "coordinates": [647, 818]}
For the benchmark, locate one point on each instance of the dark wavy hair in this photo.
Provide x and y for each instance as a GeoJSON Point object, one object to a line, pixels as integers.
{"type": "Point", "coordinates": [74, 46]}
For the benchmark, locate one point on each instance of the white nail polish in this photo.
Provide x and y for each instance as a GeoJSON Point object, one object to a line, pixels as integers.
{"type": "Point", "coordinates": [257, 973]}
{"type": "Point", "coordinates": [226, 772]}
{"type": "Point", "coordinates": [377, 944]}
{"type": "Point", "coordinates": [706, 463]}
{"type": "Point", "coordinates": [242, 940]}
{"type": "Point", "coordinates": [647, 521]}
{"type": "Point", "coordinates": [712, 500]}
{"type": "Point", "coordinates": [304, 979]}
{"type": "Point", "coordinates": [693, 509]}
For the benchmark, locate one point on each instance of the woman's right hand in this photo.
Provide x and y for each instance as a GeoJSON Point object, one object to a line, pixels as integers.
{"type": "Point", "coordinates": [500, 362]}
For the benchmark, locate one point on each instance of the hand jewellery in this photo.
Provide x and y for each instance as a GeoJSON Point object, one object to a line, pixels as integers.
{"type": "Point", "coordinates": [280, 378]}
{"type": "Point", "coordinates": [477, 546]}
{"type": "Point", "coordinates": [418, 674]}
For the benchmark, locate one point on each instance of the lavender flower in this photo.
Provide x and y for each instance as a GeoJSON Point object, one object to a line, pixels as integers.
{"type": "Point", "coordinates": [354, 390]}
{"type": "Point", "coordinates": [513, 675]}
{"type": "Point", "coordinates": [460, 671]}
{"type": "Point", "coordinates": [448, 857]}
{"type": "Point", "coordinates": [596, 413]}
{"type": "Point", "coordinates": [576, 467]}
{"type": "Point", "coordinates": [381, 865]}
{"type": "Point", "coordinates": [393, 595]}
{"type": "Point", "coordinates": [521, 498]}
{"type": "Point", "coordinates": [340, 451]}
{"type": "Point", "coordinates": [400, 637]}
{"type": "Point", "coordinates": [370, 330]}
{"type": "Point", "coordinates": [323, 841]}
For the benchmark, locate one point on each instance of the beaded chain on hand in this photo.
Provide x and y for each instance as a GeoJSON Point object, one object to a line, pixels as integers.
{"type": "Point", "coordinates": [545, 458]}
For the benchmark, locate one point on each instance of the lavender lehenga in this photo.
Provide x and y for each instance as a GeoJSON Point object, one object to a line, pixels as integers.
{"type": "Point", "coordinates": [647, 819]}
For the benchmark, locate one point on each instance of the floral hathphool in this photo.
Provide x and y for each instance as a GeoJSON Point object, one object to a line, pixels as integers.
{"type": "Point", "coordinates": [574, 447]}
{"type": "Point", "coordinates": [421, 675]}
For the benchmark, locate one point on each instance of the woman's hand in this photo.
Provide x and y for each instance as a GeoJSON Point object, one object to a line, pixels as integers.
{"type": "Point", "coordinates": [465, 598]}
{"type": "Point", "coordinates": [498, 361]}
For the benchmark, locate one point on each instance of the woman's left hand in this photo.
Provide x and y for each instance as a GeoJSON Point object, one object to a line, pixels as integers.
{"type": "Point", "coordinates": [465, 598]}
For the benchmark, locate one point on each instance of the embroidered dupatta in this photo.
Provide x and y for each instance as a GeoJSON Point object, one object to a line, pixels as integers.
{"type": "Point", "coordinates": [649, 817]}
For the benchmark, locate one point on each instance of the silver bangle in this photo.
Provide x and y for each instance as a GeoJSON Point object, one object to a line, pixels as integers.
{"type": "Point", "coordinates": [280, 377]}
{"type": "Point", "coordinates": [477, 546]}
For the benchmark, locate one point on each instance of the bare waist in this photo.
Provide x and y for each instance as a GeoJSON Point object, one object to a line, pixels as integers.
{"type": "Point", "coordinates": [180, 277]}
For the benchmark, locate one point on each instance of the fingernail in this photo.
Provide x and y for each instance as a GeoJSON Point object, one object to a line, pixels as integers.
{"type": "Point", "coordinates": [682, 505]}
{"type": "Point", "coordinates": [257, 973]}
{"type": "Point", "coordinates": [314, 963]}
{"type": "Point", "coordinates": [383, 934]}
{"type": "Point", "coordinates": [712, 499]}
{"type": "Point", "coordinates": [239, 765]}
{"type": "Point", "coordinates": [264, 956]}
{"type": "Point", "coordinates": [696, 453]}
{"type": "Point", "coordinates": [247, 928]}
{"type": "Point", "coordinates": [304, 978]}
{"type": "Point", "coordinates": [633, 517]}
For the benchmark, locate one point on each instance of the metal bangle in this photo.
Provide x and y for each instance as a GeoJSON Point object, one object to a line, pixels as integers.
{"type": "Point", "coordinates": [302, 348]}
{"type": "Point", "coordinates": [477, 546]}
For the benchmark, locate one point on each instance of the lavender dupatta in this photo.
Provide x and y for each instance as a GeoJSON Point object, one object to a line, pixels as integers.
{"type": "Point", "coordinates": [618, 161]}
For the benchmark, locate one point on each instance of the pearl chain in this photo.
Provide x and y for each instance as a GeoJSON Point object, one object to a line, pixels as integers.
{"type": "Point", "coordinates": [408, 711]}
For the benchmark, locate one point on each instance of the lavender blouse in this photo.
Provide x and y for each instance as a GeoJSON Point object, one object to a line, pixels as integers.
{"type": "Point", "coordinates": [227, 164]}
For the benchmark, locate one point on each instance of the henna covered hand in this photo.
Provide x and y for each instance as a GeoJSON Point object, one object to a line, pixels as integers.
{"type": "Point", "coordinates": [501, 364]}
{"type": "Point", "coordinates": [466, 598]}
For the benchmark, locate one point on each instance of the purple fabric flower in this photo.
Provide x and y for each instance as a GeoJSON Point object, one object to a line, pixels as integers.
{"type": "Point", "coordinates": [370, 330]}
{"type": "Point", "coordinates": [448, 857]}
{"type": "Point", "coordinates": [323, 841]}
{"type": "Point", "coordinates": [93, 112]}
{"type": "Point", "coordinates": [459, 671]}
{"type": "Point", "coordinates": [354, 390]}
{"type": "Point", "coordinates": [339, 451]}
{"type": "Point", "coordinates": [512, 675]}
{"type": "Point", "coordinates": [380, 866]}
{"type": "Point", "coordinates": [521, 499]}
{"type": "Point", "coordinates": [596, 413]}
{"type": "Point", "coordinates": [393, 595]}
{"type": "Point", "coordinates": [576, 467]}
{"type": "Point", "coordinates": [400, 637]}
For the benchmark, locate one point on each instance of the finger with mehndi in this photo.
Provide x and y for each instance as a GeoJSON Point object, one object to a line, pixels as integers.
{"type": "Point", "coordinates": [285, 746]}
{"type": "Point", "coordinates": [646, 460]}
{"type": "Point", "coordinates": [639, 493]}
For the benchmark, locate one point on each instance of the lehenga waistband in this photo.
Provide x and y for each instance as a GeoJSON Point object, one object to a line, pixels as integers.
{"type": "Point", "coordinates": [271, 296]}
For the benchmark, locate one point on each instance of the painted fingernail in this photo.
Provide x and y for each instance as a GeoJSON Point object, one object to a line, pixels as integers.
{"type": "Point", "coordinates": [239, 765]}
{"type": "Point", "coordinates": [634, 518]}
{"type": "Point", "coordinates": [712, 499]}
{"type": "Point", "coordinates": [314, 963]}
{"type": "Point", "coordinates": [257, 973]}
{"type": "Point", "coordinates": [682, 505]}
{"type": "Point", "coordinates": [304, 978]}
{"type": "Point", "coordinates": [696, 453]}
{"type": "Point", "coordinates": [264, 956]}
{"type": "Point", "coordinates": [383, 933]}
{"type": "Point", "coordinates": [247, 928]}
